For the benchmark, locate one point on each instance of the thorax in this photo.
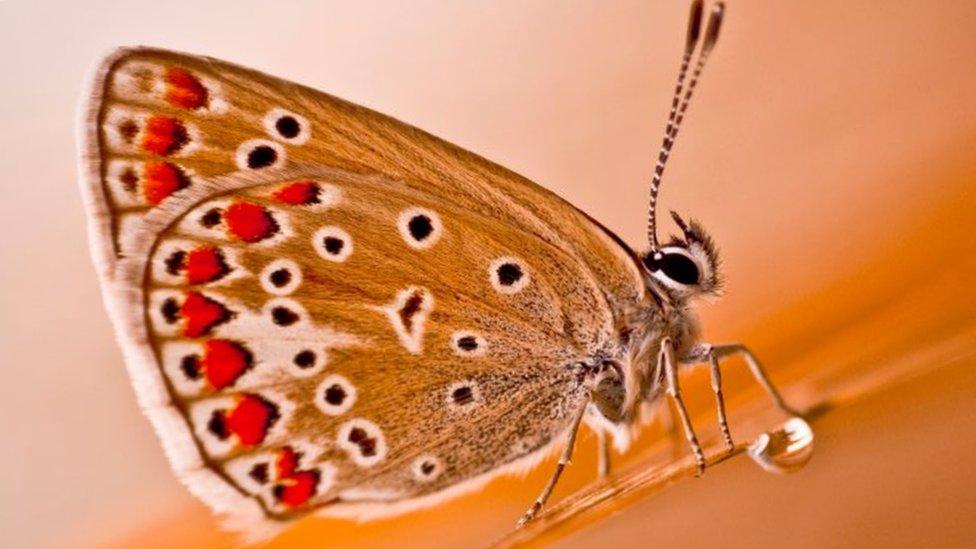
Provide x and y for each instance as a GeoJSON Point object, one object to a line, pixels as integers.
{"type": "Point", "coordinates": [631, 374]}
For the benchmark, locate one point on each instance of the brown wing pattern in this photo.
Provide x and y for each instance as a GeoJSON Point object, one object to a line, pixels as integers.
{"type": "Point", "coordinates": [401, 371]}
{"type": "Point", "coordinates": [322, 306]}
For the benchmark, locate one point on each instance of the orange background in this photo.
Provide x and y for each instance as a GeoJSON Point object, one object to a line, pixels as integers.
{"type": "Point", "coordinates": [829, 150]}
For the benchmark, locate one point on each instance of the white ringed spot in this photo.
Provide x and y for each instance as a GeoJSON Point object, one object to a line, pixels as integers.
{"type": "Point", "coordinates": [363, 441]}
{"type": "Point", "coordinates": [468, 344]}
{"type": "Point", "coordinates": [463, 395]}
{"type": "Point", "coordinates": [281, 277]}
{"type": "Point", "coordinates": [335, 395]}
{"type": "Point", "coordinates": [284, 313]}
{"type": "Point", "coordinates": [332, 243]}
{"type": "Point", "coordinates": [420, 228]}
{"type": "Point", "coordinates": [287, 126]}
{"type": "Point", "coordinates": [164, 311]}
{"type": "Point", "coordinates": [256, 154]}
{"type": "Point", "coordinates": [508, 275]}
{"type": "Point", "coordinates": [307, 361]}
{"type": "Point", "coordinates": [426, 468]}
{"type": "Point", "coordinates": [407, 314]}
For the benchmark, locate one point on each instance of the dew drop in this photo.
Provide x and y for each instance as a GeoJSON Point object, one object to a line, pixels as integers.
{"type": "Point", "coordinates": [786, 449]}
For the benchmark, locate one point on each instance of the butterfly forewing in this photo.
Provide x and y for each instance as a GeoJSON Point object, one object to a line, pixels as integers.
{"type": "Point", "coordinates": [323, 307]}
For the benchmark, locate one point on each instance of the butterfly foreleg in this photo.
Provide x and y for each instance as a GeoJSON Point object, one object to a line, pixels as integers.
{"type": "Point", "coordinates": [668, 365]}
{"type": "Point", "coordinates": [564, 459]}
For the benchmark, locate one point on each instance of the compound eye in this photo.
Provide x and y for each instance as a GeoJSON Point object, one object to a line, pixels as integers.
{"type": "Point", "coordinates": [679, 268]}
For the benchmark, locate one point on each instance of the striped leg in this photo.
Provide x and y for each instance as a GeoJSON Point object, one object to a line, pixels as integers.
{"type": "Point", "coordinates": [669, 366]}
{"type": "Point", "coordinates": [563, 461]}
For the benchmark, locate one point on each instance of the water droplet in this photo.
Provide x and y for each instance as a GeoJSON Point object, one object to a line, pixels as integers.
{"type": "Point", "coordinates": [786, 449]}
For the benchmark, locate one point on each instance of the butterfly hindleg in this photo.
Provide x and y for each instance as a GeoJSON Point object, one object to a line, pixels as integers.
{"type": "Point", "coordinates": [563, 461]}
{"type": "Point", "coordinates": [669, 367]}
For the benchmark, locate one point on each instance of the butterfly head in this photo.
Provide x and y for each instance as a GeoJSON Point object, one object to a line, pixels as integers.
{"type": "Point", "coordinates": [689, 266]}
{"type": "Point", "coordinates": [686, 266]}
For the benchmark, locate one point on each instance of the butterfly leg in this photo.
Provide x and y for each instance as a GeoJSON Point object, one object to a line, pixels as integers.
{"type": "Point", "coordinates": [666, 359]}
{"type": "Point", "coordinates": [715, 353]}
{"type": "Point", "coordinates": [723, 419]}
{"type": "Point", "coordinates": [563, 461]}
{"type": "Point", "coordinates": [667, 414]}
{"type": "Point", "coordinates": [602, 454]}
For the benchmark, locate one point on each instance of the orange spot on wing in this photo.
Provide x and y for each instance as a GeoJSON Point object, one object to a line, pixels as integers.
{"type": "Point", "coordinates": [297, 489]}
{"type": "Point", "coordinates": [250, 419]}
{"type": "Point", "coordinates": [202, 314]}
{"type": "Point", "coordinates": [164, 135]}
{"type": "Point", "coordinates": [294, 487]}
{"type": "Point", "coordinates": [161, 179]}
{"type": "Point", "coordinates": [299, 193]}
{"type": "Point", "coordinates": [286, 462]}
{"type": "Point", "coordinates": [224, 361]}
{"type": "Point", "coordinates": [205, 264]}
{"type": "Point", "coordinates": [184, 90]}
{"type": "Point", "coordinates": [250, 222]}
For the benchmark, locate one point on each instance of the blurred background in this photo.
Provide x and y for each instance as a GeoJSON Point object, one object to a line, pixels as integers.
{"type": "Point", "coordinates": [830, 150]}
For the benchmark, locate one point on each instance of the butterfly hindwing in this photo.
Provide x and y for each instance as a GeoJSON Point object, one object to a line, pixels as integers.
{"type": "Point", "coordinates": [375, 328]}
{"type": "Point", "coordinates": [322, 307]}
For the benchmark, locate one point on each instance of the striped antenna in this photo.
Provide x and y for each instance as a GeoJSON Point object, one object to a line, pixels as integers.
{"type": "Point", "coordinates": [679, 103]}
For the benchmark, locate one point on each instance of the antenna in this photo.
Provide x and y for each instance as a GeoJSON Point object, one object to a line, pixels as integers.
{"type": "Point", "coordinates": [679, 103]}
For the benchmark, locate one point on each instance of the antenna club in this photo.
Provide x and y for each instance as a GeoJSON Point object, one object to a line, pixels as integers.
{"type": "Point", "coordinates": [694, 26]}
{"type": "Point", "coordinates": [714, 25]}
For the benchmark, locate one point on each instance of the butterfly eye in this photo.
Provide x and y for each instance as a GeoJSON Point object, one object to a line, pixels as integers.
{"type": "Point", "coordinates": [681, 269]}
{"type": "Point", "coordinates": [676, 266]}
{"type": "Point", "coordinates": [287, 126]}
{"type": "Point", "coordinates": [508, 275]}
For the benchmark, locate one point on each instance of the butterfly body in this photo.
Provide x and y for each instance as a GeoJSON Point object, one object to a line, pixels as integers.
{"type": "Point", "coordinates": [323, 309]}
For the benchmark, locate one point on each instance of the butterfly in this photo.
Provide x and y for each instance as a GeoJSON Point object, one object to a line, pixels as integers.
{"type": "Point", "coordinates": [325, 310]}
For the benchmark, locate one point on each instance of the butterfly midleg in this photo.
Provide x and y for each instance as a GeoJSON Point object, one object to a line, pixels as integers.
{"type": "Point", "coordinates": [723, 419]}
{"type": "Point", "coordinates": [714, 353]}
{"type": "Point", "coordinates": [666, 359]}
{"type": "Point", "coordinates": [563, 461]}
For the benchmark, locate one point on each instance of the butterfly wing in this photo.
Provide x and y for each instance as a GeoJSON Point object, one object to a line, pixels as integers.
{"type": "Point", "coordinates": [324, 308]}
